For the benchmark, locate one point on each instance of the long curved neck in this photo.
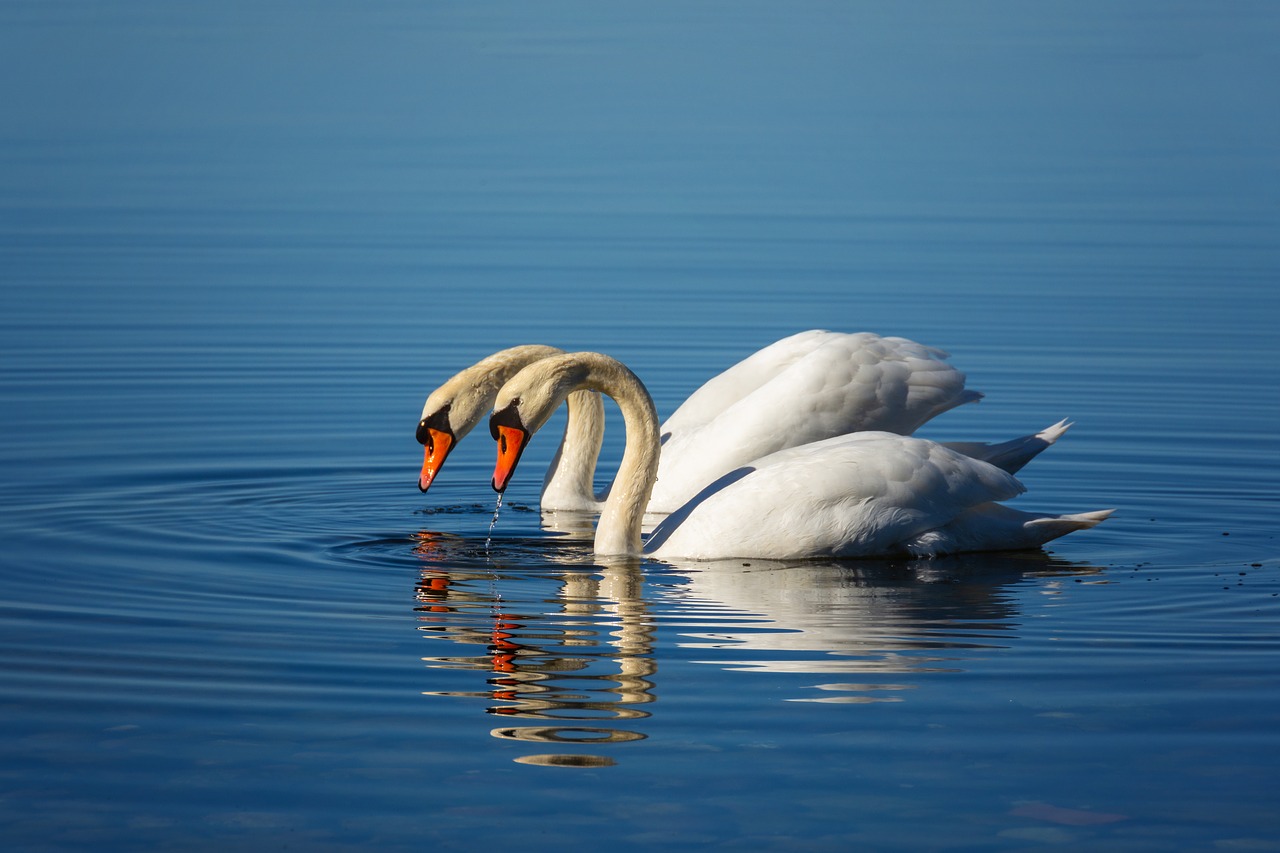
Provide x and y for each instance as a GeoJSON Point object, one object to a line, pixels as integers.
{"type": "Point", "coordinates": [570, 481]}
{"type": "Point", "coordinates": [618, 531]}
{"type": "Point", "coordinates": [532, 395]}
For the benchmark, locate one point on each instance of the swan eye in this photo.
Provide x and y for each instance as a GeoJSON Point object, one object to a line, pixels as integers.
{"type": "Point", "coordinates": [508, 416]}
{"type": "Point", "coordinates": [435, 421]}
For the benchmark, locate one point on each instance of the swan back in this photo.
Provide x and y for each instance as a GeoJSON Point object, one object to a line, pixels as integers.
{"type": "Point", "coordinates": [723, 390]}
{"type": "Point", "coordinates": [841, 384]}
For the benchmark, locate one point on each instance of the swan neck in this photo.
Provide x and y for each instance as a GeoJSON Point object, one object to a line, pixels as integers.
{"type": "Point", "coordinates": [618, 531]}
{"type": "Point", "coordinates": [570, 481]}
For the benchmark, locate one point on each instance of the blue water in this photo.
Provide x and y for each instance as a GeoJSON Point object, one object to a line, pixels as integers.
{"type": "Point", "coordinates": [240, 243]}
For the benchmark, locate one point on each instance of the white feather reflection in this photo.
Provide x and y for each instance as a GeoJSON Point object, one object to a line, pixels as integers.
{"type": "Point", "coordinates": [860, 618]}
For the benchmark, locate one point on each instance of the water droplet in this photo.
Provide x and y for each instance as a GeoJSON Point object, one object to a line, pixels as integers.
{"type": "Point", "coordinates": [497, 507]}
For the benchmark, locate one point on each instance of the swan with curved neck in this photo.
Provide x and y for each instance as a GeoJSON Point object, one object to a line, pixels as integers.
{"type": "Point", "coordinates": [802, 388]}
{"type": "Point", "coordinates": [858, 495]}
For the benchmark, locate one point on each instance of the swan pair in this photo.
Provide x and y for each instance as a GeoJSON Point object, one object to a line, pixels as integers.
{"type": "Point", "coordinates": [803, 388]}
{"type": "Point", "coordinates": [794, 484]}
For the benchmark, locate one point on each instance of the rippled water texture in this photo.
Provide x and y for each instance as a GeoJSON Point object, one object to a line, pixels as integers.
{"type": "Point", "coordinates": [240, 243]}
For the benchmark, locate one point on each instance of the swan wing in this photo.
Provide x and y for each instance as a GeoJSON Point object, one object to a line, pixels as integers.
{"type": "Point", "coordinates": [724, 389]}
{"type": "Point", "coordinates": [846, 384]}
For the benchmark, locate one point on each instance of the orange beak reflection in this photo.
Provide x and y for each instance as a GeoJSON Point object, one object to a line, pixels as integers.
{"type": "Point", "coordinates": [437, 446]}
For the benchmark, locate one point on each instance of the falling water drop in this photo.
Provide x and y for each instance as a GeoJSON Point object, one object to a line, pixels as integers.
{"type": "Point", "coordinates": [497, 507]}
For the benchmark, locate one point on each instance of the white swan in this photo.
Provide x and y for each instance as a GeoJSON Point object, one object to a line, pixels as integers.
{"type": "Point", "coordinates": [858, 495]}
{"type": "Point", "coordinates": [827, 383]}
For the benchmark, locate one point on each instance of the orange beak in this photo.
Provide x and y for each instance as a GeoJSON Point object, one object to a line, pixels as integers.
{"type": "Point", "coordinates": [437, 446]}
{"type": "Point", "coordinates": [511, 443]}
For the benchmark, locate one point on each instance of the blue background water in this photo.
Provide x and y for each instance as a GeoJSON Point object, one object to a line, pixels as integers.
{"type": "Point", "coordinates": [241, 243]}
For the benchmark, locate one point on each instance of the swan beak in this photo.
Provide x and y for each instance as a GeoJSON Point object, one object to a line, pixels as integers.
{"type": "Point", "coordinates": [511, 443]}
{"type": "Point", "coordinates": [437, 444]}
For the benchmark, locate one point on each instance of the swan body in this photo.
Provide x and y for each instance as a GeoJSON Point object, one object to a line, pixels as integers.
{"type": "Point", "coordinates": [825, 383]}
{"type": "Point", "coordinates": [857, 495]}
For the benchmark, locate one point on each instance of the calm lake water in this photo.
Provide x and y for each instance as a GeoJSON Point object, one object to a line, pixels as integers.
{"type": "Point", "coordinates": [241, 242]}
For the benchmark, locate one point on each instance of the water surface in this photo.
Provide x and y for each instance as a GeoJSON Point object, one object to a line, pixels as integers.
{"type": "Point", "coordinates": [241, 244]}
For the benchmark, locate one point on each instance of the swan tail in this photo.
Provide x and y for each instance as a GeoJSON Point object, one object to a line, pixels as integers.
{"type": "Point", "coordinates": [1061, 525]}
{"type": "Point", "coordinates": [1015, 453]}
{"type": "Point", "coordinates": [1051, 434]}
{"type": "Point", "coordinates": [995, 527]}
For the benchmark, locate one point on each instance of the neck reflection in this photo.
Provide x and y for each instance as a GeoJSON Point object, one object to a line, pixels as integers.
{"type": "Point", "coordinates": [572, 667]}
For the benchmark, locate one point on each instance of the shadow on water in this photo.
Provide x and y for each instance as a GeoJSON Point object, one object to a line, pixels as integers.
{"type": "Point", "coordinates": [567, 649]}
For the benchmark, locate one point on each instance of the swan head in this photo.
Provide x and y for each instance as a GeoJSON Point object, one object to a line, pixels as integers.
{"type": "Point", "coordinates": [437, 436]}
{"type": "Point", "coordinates": [450, 413]}
{"type": "Point", "coordinates": [512, 437]}
{"type": "Point", "coordinates": [525, 404]}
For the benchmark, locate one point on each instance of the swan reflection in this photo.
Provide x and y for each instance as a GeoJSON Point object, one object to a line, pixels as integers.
{"type": "Point", "coordinates": [570, 659]}
{"type": "Point", "coordinates": [575, 664]}
{"type": "Point", "coordinates": [861, 617]}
